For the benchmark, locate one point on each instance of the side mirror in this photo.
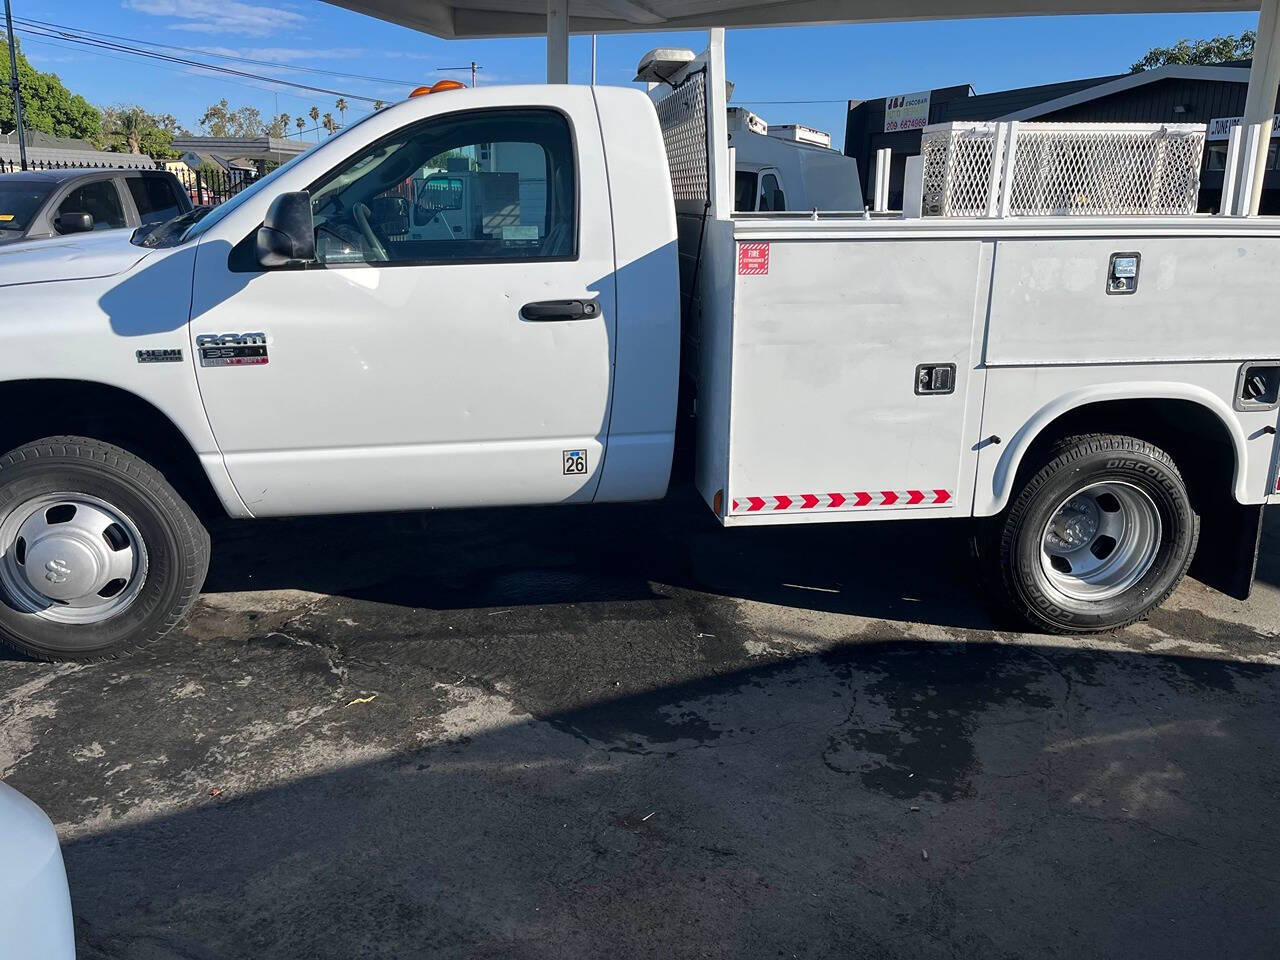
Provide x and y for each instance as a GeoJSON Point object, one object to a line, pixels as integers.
{"type": "Point", "coordinates": [287, 234]}
{"type": "Point", "coordinates": [73, 222]}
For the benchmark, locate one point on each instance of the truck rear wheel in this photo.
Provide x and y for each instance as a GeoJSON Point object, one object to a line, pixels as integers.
{"type": "Point", "coordinates": [1097, 537]}
{"type": "Point", "coordinates": [98, 553]}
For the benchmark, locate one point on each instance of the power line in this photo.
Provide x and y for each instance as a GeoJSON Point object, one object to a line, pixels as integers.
{"type": "Point", "coordinates": [136, 51]}
{"type": "Point", "coordinates": [78, 32]}
{"type": "Point", "coordinates": [292, 132]}
{"type": "Point", "coordinates": [58, 45]}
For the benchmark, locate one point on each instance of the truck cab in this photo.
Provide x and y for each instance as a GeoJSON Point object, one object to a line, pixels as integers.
{"type": "Point", "coordinates": [486, 312]}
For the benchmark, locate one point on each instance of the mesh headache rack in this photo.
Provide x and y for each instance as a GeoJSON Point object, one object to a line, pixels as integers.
{"type": "Point", "coordinates": [1061, 169]}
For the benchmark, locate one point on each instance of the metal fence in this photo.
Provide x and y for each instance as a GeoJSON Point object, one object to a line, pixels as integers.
{"type": "Point", "coordinates": [204, 187]}
{"type": "Point", "coordinates": [1061, 169]}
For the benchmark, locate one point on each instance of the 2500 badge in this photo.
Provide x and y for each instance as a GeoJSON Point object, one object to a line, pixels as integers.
{"type": "Point", "coordinates": [232, 349]}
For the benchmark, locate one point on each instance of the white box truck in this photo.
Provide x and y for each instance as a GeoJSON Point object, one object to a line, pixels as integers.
{"type": "Point", "coordinates": [1098, 394]}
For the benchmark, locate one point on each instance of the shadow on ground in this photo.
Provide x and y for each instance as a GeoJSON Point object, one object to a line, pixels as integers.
{"type": "Point", "coordinates": [884, 799]}
{"type": "Point", "coordinates": [921, 570]}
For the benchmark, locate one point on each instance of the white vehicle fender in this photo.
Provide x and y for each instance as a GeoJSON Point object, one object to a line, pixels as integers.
{"type": "Point", "coordinates": [1015, 449]}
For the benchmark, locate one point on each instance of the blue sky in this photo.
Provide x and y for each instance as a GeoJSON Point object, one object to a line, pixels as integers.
{"type": "Point", "coordinates": [793, 64]}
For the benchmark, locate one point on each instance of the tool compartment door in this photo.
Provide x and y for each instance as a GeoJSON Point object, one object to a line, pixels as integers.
{"type": "Point", "coordinates": [856, 383]}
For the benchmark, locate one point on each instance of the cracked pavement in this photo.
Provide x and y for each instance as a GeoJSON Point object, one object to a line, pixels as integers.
{"type": "Point", "coordinates": [621, 730]}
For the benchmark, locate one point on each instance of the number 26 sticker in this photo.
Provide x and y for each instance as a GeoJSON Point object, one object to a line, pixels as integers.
{"type": "Point", "coordinates": [575, 462]}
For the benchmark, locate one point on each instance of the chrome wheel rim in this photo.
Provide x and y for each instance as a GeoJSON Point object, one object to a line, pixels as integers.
{"type": "Point", "coordinates": [71, 558]}
{"type": "Point", "coordinates": [1100, 541]}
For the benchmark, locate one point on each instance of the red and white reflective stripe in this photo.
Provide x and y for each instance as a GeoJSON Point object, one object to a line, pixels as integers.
{"type": "Point", "coordinates": [796, 502]}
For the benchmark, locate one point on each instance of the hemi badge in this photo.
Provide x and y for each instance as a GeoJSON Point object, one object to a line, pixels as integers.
{"type": "Point", "coordinates": [159, 356]}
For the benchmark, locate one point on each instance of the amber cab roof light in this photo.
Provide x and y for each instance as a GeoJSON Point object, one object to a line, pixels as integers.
{"type": "Point", "coordinates": [440, 86]}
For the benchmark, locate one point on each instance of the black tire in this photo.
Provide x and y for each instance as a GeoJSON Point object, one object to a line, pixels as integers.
{"type": "Point", "coordinates": [1011, 546]}
{"type": "Point", "coordinates": [176, 544]}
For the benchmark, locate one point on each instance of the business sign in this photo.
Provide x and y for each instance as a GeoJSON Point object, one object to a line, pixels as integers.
{"type": "Point", "coordinates": [1220, 127]}
{"type": "Point", "coordinates": [907, 111]}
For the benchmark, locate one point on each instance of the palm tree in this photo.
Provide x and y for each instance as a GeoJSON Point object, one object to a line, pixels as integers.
{"type": "Point", "coordinates": [342, 108]}
{"type": "Point", "coordinates": [378, 105]}
{"type": "Point", "coordinates": [129, 125]}
{"type": "Point", "coordinates": [314, 114]}
{"type": "Point", "coordinates": [330, 124]}
{"type": "Point", "coordinates": [301, 123]}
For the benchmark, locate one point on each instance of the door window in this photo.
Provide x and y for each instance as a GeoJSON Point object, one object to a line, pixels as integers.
{"type": "Point", "coordinates": [771, 195]}
{"type": "Point", "coordinates": [100, 200]}
{"type": "Point", "coordinates": [155, 198]}
{"type": "Point", "coordinates": [744, 191]}
{"type": "Point", "coordinates": [491, 185]}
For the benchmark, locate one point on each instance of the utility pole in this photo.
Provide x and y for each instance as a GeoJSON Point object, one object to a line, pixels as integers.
{"type": "Point", "coordinates": [13, 84]}
{"type": "Point", "coordinates": [474, 68]}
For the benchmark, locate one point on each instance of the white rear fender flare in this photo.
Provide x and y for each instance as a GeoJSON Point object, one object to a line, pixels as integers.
{"type": "Point", "coordinates": [1006, 470]}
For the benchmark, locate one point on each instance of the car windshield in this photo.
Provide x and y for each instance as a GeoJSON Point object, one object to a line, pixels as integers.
{"type": "Point", "coordinates": [19, 202]}
{"type": "Point", "coordinates": [224, 209]}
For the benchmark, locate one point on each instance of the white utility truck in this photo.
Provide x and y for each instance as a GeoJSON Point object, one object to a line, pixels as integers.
{"type": "Point", "coordinates": [778, 167]}
{"type": "Point", "coordinates": [1098, 392]}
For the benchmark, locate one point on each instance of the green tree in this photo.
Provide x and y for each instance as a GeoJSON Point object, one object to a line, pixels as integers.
{"type": "Point", "coordinates": [301, 123]}
{"type": "Point", "coordinates": [129, 128]}
{"type": "Point", "coordinates": [342, 108]}
{"type": "Point", "coordinates": [314, 114]}
{"type": "Point", "coordinates": [378, 105]}
{"type": "Point", "coordinates": [221, 121]}
{"type": "Point", "coordinates": [330, 124]}
{"type": "Point", "coordinates": [279, 126]}
{"type": "Point", "coordinates": [47, 105]}
{"type": "Point", "coordinates": [1199, 52]}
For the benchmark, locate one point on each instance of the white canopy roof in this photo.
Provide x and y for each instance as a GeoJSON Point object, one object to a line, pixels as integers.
{"type": "Point", "coordinates": [505, 18]}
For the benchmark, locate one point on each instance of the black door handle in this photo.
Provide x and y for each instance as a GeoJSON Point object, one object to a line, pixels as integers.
{"type": "Point", "coordinates": [560, 310]}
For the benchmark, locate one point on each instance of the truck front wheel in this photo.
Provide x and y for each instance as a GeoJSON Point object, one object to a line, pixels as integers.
{"type": "Point", "coordinates": [98, 553]}
{"type": "Point", "coordinates": [1096, 538]}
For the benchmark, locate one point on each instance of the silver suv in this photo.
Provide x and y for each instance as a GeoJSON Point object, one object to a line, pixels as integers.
{"type": "Point", "coordinates": [47, 203]}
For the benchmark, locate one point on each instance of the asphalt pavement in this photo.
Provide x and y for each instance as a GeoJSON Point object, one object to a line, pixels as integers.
{"type": "Point", "coordinates": [625, 732]}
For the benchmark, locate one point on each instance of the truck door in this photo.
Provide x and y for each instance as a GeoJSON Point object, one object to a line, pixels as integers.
{"type": "Point", "coordinates": [407, 369]}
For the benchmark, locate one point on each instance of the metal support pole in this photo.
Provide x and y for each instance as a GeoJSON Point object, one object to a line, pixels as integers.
{"type": "Point", "coordinates": [13, 84]}
{"type": "Point", "coordinates": [1010, 159]}
{"type": "Point", "coordinates": [884, 161]}
{"type": "Point", "coordinates": [1260, 105]}
{"type": "Point", "coordinates": [1230, 173]}
{"type": "Point", "coordinates": [1249, 164]}
{"type": "Point", "coordinates": [996, 180]}
{"type": "Point", "coordinates": [593, 59]}
{"type": "Point", "coordinates": [719, 174]}
{"type": "Point", "coordinates": [557, 41]}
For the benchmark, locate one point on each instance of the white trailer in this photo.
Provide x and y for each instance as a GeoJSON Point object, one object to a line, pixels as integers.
{"type": "Point", "coordinates": [1096, 395]}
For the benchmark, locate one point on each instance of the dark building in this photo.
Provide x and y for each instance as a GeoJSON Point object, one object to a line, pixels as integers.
{"type": "Point", "coordinates": [1173, 94]}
